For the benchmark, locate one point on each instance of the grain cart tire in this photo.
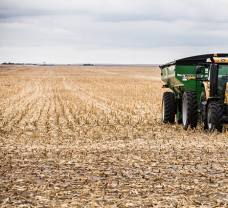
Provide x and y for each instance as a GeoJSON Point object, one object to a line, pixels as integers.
{"type": "Point", "coordinates": [214, 116]}
{"type": "Point", "coordinates": [203, 109]}
{"type": "Point", "coordinates": [168, 107]}
{"type": "Point", "coordinates": [189, 110]}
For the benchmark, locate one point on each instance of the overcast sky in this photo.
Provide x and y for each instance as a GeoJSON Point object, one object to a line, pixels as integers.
{"type": "Point", "coordinates": [111, 31]}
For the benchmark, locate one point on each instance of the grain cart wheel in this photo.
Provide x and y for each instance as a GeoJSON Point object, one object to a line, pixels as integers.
{"type": "Point", "coordinates": [189, 110]}
{"type": "Point", "coordinates": [203, 109]}
{"type": "Point", "coordinates": [214, 116]}
{"type": "Point", "coordinates": [168, 107]}
{"type": "Point", "coordinates": [178, 116]}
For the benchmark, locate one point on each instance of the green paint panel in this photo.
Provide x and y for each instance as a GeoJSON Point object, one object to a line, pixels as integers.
{"type": "Point", "coordinates": [181, 78]}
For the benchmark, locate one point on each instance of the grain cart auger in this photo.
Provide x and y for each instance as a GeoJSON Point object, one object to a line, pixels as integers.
{"type": "Point", "coordinates": [198, 91]}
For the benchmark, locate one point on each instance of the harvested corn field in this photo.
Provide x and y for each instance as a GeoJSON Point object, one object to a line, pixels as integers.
{"type": "Point", "coordinates": [76, 136]}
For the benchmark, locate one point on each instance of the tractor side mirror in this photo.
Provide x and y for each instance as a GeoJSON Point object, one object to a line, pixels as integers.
{"type": "Point", "coordinates": [200, 70]}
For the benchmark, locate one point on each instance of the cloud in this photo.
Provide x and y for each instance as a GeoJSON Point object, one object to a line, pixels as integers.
{"type": "Point", "coordinates": [122, 10]}
{"type": "Point", "coordinates": [114, 27]}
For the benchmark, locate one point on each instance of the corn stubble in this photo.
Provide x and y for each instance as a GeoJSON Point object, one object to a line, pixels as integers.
{"type": "Point", "coordinates": [92, 137]}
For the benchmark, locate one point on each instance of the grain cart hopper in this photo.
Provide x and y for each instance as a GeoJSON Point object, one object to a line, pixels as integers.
{"type": "Point", "coordinates": [198, 91]}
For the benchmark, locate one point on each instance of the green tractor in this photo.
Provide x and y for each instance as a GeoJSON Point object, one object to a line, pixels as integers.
{"type": "Point", "coordinates": [199, 91]}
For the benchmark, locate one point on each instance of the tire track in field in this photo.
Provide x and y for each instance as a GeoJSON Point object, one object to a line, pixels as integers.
{"type": "Point", "coordinates": [33, 119]}
{"type": "Point", "coordinates": [50, 122]}
{"type": "Point", "coordinates": [13, 101]}
{"type": "Point", "coordinates": [42, 119]}
{"type": "Point", "coordinates": [64, 122]}
{"type": "Point", "coordinates": [37, 120]}
{"type": "Point", "coordinates": [92, 100]}
{"type": "Point", "coordinates": [29, 122]}
{"type": "Point", "coordinates": [52, 119]}
{"type": "Point", "coordinates": [70, 117]}
{"type": "Point", "coordinates": [16, 125]}
{"type": "Point", "coordinates": [23, 120]}
{"type": "Point", "coordinates": [11, 97]}
{"type": "Point", "coordinates": [17, 108]}
{"type": "Point", "coordinates": [67, 117]}
{"type": "Point", "coordinates": [21, 85]}
{"type": "Point", "coordinates": [70, 108]}
{"type": "Point", "coordinates": [86, 97]}
{"type": "Point", "coordinates": [138, 111]}
{"type": "Point", "coordinates": [53, 126]}
{"type": "Point", "coordinates": [11, 122]}
{"type": "Point", "coordinates": [39, 113]}
{"type": "Point", "coordinates": [114, 112]}
{"type": "Point", "coordinates": [47, 118]}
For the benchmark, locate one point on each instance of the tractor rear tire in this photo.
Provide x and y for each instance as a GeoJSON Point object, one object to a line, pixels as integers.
{"type": "Point", "coordinates": [214, 116]}
{"type": "Point", "coordinates": [168, 107]}
{"type": "Point", "coordinates": [189, 110]}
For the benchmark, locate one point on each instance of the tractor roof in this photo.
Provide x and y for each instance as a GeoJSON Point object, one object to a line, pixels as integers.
{"type": "Point", "coordinates": [193, 60]}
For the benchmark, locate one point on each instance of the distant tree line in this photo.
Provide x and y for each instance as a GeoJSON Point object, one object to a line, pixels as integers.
{"type": "Point", "coordinates": [11, 63]}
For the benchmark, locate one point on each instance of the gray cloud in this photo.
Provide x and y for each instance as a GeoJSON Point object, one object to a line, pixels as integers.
{"type": "Point", "coordinates": [139, 30]}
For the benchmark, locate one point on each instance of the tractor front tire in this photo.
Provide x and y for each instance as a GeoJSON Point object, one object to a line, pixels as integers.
{"type": "Point", "coordinates": [189, 110]}
{"type": "Point", "coordinates": [214, 116]}
{"type": "Point", "coordinates": [168, 107]}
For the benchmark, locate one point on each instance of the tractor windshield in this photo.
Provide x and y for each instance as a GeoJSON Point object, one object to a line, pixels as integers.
{"type": "Point", "coordinates": [222, 78]}
{"type": "Point", "coordinates": [223, 70]}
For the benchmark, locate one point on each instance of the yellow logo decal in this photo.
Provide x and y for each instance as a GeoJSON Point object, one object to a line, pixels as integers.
{"type": "Point", "coordinates": [220, 60]}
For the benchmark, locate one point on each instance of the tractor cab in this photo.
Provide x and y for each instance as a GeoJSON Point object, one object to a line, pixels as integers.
{"type": "Point", "coordinates": [215, 78]}
{"type": "Point", "coordinates": [223, 81]}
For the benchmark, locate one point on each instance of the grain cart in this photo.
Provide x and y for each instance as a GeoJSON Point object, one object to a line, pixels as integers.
{"type": "Point", "coordinates": [198, 91]}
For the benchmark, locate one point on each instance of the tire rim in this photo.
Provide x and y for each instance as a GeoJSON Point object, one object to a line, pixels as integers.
{"type": "Point", "coordinates": [184, 113]}
{"type": "Point", "coordinates": [209, 124]}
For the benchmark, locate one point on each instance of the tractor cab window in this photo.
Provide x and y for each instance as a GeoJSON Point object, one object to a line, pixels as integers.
{"type": "Point", "coordinates": [222, 78]}
{"type": "Point", "coordinates": [223, 70]}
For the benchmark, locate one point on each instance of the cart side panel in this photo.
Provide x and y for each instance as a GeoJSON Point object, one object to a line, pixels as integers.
{"type": "Point", "coordinates": [186, 74]}
{"type": "Point", "coordinates": [168, 76]}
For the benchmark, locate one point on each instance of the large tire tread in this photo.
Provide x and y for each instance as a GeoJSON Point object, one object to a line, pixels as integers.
{"type": "Point", "coordinates": [216, 109]}
{"type": "Point", "coordinates": [169, 107]}
{"type": "Point", "coordinates": [192, 110]}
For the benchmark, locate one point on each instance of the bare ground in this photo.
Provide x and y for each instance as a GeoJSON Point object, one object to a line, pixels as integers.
{"type": "Point", "coordinates": [92, 137]}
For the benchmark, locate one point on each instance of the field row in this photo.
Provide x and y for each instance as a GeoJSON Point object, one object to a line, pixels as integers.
{"type": "Point", "coordinates": [92, 137]}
